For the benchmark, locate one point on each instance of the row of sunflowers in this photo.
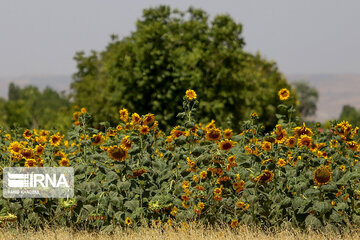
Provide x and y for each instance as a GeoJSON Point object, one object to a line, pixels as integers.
{"type": "Point", "coordinates": [134, 174]}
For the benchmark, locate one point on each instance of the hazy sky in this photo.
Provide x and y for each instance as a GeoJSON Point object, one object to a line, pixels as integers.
{"type": "Point", "coordinates": [40, 37]}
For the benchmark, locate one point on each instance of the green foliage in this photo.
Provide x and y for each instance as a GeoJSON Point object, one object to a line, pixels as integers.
{"type": "Point", "coordinates": [29, 107]}
{"type": "Point", "coordinates": [172, 51]}
{"type": "Point", "coordinates": [351, 114]}
{"type": "Point", "coordinates": [192, 174]}
{"type": "Point", "coordinates": [308, 97]}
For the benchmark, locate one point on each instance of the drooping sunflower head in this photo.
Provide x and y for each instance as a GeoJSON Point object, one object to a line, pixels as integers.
{"type": "Point", "coordinates": [322, 175]}
{"type": "Point", "coordinates": [226, 144]}
{"type": "Point", "coordinates": [135, 118]}
{"type": "Point", "coordinates": [124, 114]}
{"type": "Point", "coordinates": [97, 139]}
{"type": "Point", "coordinates": [213, 134]}
{"type": "Point", "coordinates": [265, 177]}
{"type": "Point", "coordinates": [149, 118]}
{"type": "Point", "coordinates": [228, 133]}
{"type": "Point", "coordinates": [284, 94]}
{"type": "Point", "coordinates": [126, 142]}
{"type": "Point", "coordinates": [117, 153]}
{"type": "Point", "coordinates": [191, 94]}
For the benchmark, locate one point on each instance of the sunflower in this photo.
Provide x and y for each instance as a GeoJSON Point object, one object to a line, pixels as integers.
{"type": "Point", "coordinates": [234, 223]}
{"type": "Point", "coordinates": [303, 130]}
{"type": "Point", "coordinates": [55, 139]}
{"type": "Point", "coordinates": [232, 159]}
{"type": "Point", "coordinates": [97, 139]}
{"type": "Point", "coordinates": [239, 204]}
{"type": "Point", "coordinates": [64, 162]}
{"type": "Point", "coordinates": [280, 136]}
{"type": "Point", "coordinates": [191, 94]}
{"type": "Point", "coordinates": [117, 153]}
{"type": "Point", "coordinates": [126, 143]}
{"type": "Point", "coordinates": [265, 177]}
{"type": "Point", "coordinates": [322, 175]}
{"type": "Point", "coordinates": [15, 147]}
{"type": "Point", "coordinates": [124, 114]}
{"type": "Point", "coordinates": [144, 129]}
{"type": "Point", "coordinates": [284, 94]}
{"type": "Point", "coordinates": [291, 141]}
{"type": "Point", "coordinates": [27, 134]}
{"type": "Point", "coordinates": [190, 162]}
{"type": "Point", "coordinates": [149, 118]}
{"type": "Point", "coordinates": [266, 146]}
{"type": "Point", "coordinates": [203, 174]}
{"type": "Point", "coordinates": [228, 133]}
{"type": "Point", "coordinates": [342, 168]}
{"type": "Point", "coordinates": [76, 115]}
{"type": "Point", "coordinates": [217, 191]}
{"type": "Point", "coordinates": [39, 149]}
{"type": "Point", "coordinates": [195, 178]}
{"type": "Point", "coordinates": [30, 163]}
{"type": "Point", "coordinates": [305, 140]}
{"type": "Point", "coordinates": [27, 153]}
{"type": "Point", "coordinates": [226, 144]}
{"type": "Point", "coordinates": [135, 118]}
{"type": "Point", "coordinates": [213, 134]}
{"type": "Point", "coordinates": [128, 221]}
{"type": "Point", "coordinates": [281, 162]}
{"type": "Point", "coordinates": [344, 128]}
{"type": "Point", "coordinates": [112, 132]}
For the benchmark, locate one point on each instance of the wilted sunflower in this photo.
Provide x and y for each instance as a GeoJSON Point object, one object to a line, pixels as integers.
{"type": "Point", "coordinates": [322, 175]}
{"type": "Point", "coordinates": [305, 140]}
{"type": "Point", "coordinates": [191, 94]}
{"type": "Point", "coordinates": [117, 153]}
{"type": "Point", "coordinates": [228, 133]}
{"type": "Point", "coordinates": [97, 139]}
{"type": "Point", "coordinates": [265, 177]}
{"type": "Point", "coordinates": [213, 134]}
{"type": "Point", "coordinates": [284, 94]}
{"type": "Point", "coordinates": [144, 129]}
{"type": "Point", "coordinates": [124, 114]}
{"type": "Point", "coordinates": [226, 144]}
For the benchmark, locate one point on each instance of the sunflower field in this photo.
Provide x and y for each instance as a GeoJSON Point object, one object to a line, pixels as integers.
{"type": "Point", "coordinates": [133, 174]}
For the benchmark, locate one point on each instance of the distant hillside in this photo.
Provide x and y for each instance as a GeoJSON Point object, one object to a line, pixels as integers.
{"type": "Point", "coordinates": [57, 82]}
{"type": "Point", "coordinates": [335, 90]}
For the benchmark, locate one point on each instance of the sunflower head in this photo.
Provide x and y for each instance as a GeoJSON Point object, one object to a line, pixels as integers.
{"type": "Point", "coordinates": [265, 177]}
{"type": "Point", "coordinates": [30, 163]}
{"type": "Point", "coordinates": [117, 153]}
{"type": "Point", "coordinates": [284, 94]}
{"type": "Point", "coordinates": [191, 94]}
{"type": "Point", "coordinates": [144, 129]}
{"type": "Point", "coordinates": [97, 139]}
{"type": "Point", "coordinates": [226, 144]}
{"type": "Point", "coordinates": [322, 175]}
{"type": "Point", "coordinates": [128, 221]}
{"type": "Point", "coordinates": [124, 115]}
{"type": "Point", "coordinates": [228, 133]}
{"type": "Point", "coordinates": [64, 162]}
{"type": "Point", "coordinates": [213, 134]}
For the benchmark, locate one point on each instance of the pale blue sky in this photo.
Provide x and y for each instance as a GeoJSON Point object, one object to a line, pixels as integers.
{"type": "Point", "coordinates": [40, 37]}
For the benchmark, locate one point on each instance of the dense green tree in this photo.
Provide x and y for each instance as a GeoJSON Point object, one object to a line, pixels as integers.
{"type": "Point", "coordinates": [29, 107]}
{"type": "Point", "coordinates": [350, 114]}
{"type": "Point", "coordinates": [308, 97]}
{"type": "Point", "coordinates": [172, 51]}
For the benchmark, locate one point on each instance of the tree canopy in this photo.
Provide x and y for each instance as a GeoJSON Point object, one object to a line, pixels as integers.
{"type": "Point", "coordinates": [172, 51]}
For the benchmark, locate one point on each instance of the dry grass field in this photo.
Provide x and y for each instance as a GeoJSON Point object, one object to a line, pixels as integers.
{"type": "Point", "coordinates": [191, 233]}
